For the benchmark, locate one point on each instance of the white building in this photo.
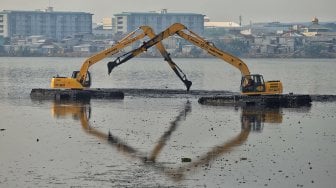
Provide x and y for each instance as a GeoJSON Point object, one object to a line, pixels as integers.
{"type": "Point", "coordinates": [209, 24]}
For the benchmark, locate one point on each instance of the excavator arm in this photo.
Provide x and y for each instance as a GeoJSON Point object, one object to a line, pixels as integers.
{"type": "Point", "coordinates": [273, 87]}
{"type": "Point", "coordinates": [158, 38]}
{"type": "Point", "coordinates": [111, 65]}
{"type": "Point", "coordinates": [126, 41]}
{"type": "Point", "coordinates": [211, 49]}
{"type": "Point", "coordinates": [192, 37]}
{"type": "Point", "coordinates": [81, 79]}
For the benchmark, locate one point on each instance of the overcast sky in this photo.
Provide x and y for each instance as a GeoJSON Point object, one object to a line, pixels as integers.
{"type": "Point", "coordinates": [217, 10]}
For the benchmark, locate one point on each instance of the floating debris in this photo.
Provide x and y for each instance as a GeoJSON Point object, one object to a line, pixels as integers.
{"type": "Point", "coordinates": [186, 160]}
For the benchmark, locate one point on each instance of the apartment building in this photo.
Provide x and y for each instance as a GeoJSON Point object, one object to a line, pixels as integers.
{"type": "Point", "coordinates": [53, 24]}
{"type": "Point", "coordinates": [128, 21]}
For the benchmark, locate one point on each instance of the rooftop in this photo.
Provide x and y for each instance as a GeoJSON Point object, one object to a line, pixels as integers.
{"type": "Point", "coordinates": [49, 10]}
{"type": "Point", "coordinates": [221, 24]}
{"type": "Point", "coordinates": [163, 12]}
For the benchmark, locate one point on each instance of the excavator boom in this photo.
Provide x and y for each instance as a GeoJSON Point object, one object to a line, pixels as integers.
{"type": "Point", "coordinates": [178, 28]}
{"type": "Point", "coordinates": [111, 65]}
{"type": "Point", "coordinates": [126, 41]}
{"type": "Point", "coordinates": [274, 87]}
{"type": "Point", "coordinates": [82, 79]}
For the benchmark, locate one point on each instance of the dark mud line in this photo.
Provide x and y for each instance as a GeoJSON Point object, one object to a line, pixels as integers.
{"type": "Point", "coordinates": [119, 93]}
{"type": "Point", "coordinates": [323, 98]}
{"type": "Point", "coordinates": [169, 93]}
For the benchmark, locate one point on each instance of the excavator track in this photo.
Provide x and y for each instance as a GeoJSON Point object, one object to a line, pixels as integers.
{"type": "Point", "coordinates": [119, 93]}
{"type": "Point", "coordinates": [284, 100]}
{"type": "Point", "coordinates": [74, 94]}
{"type": "Point", "coordinates": [205, 97]}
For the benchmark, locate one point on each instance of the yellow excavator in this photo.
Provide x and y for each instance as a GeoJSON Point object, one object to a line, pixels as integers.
{"type": "Point", "coordinates": [82, 79]}
{"type": "Point", "coordinates": [251, 84]}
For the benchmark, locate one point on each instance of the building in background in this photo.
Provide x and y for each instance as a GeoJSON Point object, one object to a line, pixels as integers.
{"type": "Point", "coordinates": [107, 23]}
{"type": "Point", "coordinates": [49, 23]}
{"type": "Point", "coordinates": [103, 29]}
{"type": "Point", "coordinates": [128, 21]}
{"type": "Point", "coordinates": [216, 28]}
{"type": "Point", "coordinates": [315, 29]}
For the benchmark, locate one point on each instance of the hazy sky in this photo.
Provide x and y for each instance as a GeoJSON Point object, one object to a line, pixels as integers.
{"type": "Point", "coordinates": [217, 10]}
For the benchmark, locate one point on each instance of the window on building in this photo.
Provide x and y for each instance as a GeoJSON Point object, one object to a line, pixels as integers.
{"type": "Point", "coordinates": [159, 20]}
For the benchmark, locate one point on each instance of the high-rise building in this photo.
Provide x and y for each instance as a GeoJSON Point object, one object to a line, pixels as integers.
{"type": "Point", "coordinates": [128, 21]}
{"type": "Point", "coordinates": [49, 23]}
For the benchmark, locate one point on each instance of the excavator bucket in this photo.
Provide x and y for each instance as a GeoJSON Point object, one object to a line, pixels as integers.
{"type": "Point", "coordinates": [111, 65]}
{"type": "Point", "coordinates": [188, 84]}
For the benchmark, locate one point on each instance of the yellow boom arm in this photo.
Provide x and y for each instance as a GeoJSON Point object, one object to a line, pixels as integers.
{"type": "Point", "coordinates": [81, 79]}
{"type": "Point", "coordinates": [192, 37]}
{"type": "Point", "coordinates": [273, 87]}
{"type": "Point", "coordinates": [126, 41]}
{"type": "Point", "coordinates": [164, 54]}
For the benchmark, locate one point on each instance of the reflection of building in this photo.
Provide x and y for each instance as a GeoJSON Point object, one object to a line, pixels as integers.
{"type": "Point", "coordinates": [129, 21]}
{"type": "Point", "coordinates": [56, 25]}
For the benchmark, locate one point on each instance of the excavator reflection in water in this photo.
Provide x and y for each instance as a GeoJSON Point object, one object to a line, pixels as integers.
{"type": "Point", "coordinates": [252, 119]}
{"type": "Point", "coordinates": [255, 117]}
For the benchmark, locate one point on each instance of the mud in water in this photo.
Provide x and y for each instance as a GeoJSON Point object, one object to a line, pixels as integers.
{"type": "Point", "coordinates": [163, 142]}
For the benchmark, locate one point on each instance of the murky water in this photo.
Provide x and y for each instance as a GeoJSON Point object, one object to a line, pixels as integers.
{"type": "Point", "coordinates": [142, 142]}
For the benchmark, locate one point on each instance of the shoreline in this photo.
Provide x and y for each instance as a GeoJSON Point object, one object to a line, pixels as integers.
{"type": "Point", "coordinates": [191, 57]}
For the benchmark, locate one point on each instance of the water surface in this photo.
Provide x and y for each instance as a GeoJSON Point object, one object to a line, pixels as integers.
{"type": "Point", "coordinates": [141, 141]}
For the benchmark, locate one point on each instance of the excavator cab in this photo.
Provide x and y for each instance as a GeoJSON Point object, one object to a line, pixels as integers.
{"type": "Point", "coordinates": [87, 82]}
{"type": "Point", "coordinates": [254, 84]}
